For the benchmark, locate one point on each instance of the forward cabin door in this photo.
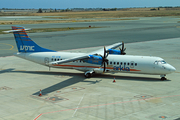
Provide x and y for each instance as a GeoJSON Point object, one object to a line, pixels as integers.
{"type": "Point", "coordinates": [46, 61]}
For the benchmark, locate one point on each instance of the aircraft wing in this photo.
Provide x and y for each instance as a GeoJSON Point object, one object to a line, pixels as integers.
{"type": "Point", "coordinates": [86, 55]}
{"type": "Point", "coordinates": [101, 51]}
{"type": "Point", "coordinates": [71, 59]}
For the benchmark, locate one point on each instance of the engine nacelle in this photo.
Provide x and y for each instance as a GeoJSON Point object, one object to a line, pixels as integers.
{"type": "Point", "coordinates": [93, 59]}
{"type": "Point", "coordinates": [114, 52]}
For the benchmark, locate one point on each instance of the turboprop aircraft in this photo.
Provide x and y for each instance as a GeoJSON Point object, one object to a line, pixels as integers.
{"type": "Point", "coordinates": [104, 60]}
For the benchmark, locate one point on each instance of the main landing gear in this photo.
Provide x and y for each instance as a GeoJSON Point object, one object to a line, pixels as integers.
{"type": "Point", "coordinates": [88, 74]}
{"type": "Point", "coordinates": [163, 77]}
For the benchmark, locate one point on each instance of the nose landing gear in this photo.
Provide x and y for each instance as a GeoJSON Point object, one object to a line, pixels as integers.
{"type": "Point", "coordinates": [163, 77]}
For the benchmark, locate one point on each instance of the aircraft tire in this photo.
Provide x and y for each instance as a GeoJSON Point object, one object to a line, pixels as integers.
{"type": "Point", "coordinates": [163, 78]}
{"type": "Point", "coordinates": [88, 75]}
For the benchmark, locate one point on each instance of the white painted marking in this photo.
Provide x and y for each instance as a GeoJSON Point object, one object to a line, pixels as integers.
{"type": "Point", "coordinates": [78, 105]}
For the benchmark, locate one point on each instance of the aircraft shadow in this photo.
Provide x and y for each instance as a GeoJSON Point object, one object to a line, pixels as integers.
{"type": "Point", "coordinates": [71, 81]}
{"type": "Point", "coordinates": [131, 78]}
{"type": "Point", "coordinates": [6, 70]}
{"type": "Point", "coordinates": [79, 77]}
{"type": "Point", "coordinates": [76, 77]}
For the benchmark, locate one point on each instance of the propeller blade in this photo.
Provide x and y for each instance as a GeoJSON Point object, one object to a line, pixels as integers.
{"type": "Point", "coordinates": [104, 67]}
{"type": "Point", "coordinates": [122, 45]}
{"type": "Point", "coordinates": [104, 60]}
{"type": "Point", "coordinates": [104, 51]}
{"type": "Point", "coordinates": [107, 55]}
{"type": "Point", "coordinates": [107, 62]}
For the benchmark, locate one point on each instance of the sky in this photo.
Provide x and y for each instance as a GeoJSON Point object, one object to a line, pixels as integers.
{"type": "Point", "coordinates": [63, 4]}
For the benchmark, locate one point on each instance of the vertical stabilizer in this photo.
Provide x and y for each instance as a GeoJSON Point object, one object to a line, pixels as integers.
{"type": "Point", "coordinates": [24, 43]}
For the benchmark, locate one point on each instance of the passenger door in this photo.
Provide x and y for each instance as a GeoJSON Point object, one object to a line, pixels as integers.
{"type": "Point", "coordinates": [46, 60]}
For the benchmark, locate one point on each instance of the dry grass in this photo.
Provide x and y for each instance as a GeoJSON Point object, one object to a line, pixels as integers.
{"type": "Point", "coordinates": [104, 15]}
{"type": "Point", "coordinates": [111, 14]}
{"type": "Point", "coordinates": [129, 12]}
{"type": "Point", "coordinates": [54, 21]}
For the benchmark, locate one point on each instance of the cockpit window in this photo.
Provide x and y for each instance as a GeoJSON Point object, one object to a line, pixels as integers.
{"type": "Point", "coordinates": [160, 62]}
{"type": "Point", "coordinates": [163, 62]}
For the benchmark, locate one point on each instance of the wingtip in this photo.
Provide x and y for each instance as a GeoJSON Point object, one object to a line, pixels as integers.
{"type": "Point", "coordinates": [6, 31]}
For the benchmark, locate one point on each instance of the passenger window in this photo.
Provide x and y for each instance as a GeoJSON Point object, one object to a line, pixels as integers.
{"type": "Point", "coordinates": [132, 64]}
{"type": "Point", "coordinates": [114, 63]}
{"type": "Point", "coordinates": [54, 59]}
{"type": "Point", "coordinates": [124, 63]}
{"type": "Point", "coordinates": [121, 63]}
{"type": "Point", "coordinates": [110, 63]}
{"type": "Point", "coordinates": [135, 64]}
{"type": "Point", "coordinates": [127, 63]}
{"type": "Point", "coordinates": [117, 63]}
{"type": "Point", "coordinates": [57, 59]}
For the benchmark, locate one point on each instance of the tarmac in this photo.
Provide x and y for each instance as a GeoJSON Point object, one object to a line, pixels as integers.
{"type": "Point", "coordinates": [67, 94]}
{"type": "Point", "coordinates": [33, 18]}
{"type": "Point", "coordinates": [110, 32]}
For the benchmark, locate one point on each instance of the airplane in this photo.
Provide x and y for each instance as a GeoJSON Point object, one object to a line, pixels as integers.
{"type": "Point", "coordinates": [104, 60]}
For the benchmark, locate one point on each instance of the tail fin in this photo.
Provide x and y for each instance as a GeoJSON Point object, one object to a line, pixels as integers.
{"type": "Point", "coordinates": [24, 43]}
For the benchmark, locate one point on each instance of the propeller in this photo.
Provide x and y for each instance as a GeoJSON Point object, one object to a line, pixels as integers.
{"type": "Point", "coordinates": [104, 59]}
{"type": "Point", "coordinates": [123, 49]}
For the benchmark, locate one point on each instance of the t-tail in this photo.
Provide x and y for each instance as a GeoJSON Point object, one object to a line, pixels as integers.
{"type": "Point", "coordinates": [24, 43]}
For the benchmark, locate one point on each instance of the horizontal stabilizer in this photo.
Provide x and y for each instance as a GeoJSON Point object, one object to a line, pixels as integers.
{"type": "Point", "coordinates": [10, 31]}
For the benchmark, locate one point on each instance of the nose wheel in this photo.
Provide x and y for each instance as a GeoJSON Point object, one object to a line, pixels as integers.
{"type": "Point", "coordinates": [163, 77]}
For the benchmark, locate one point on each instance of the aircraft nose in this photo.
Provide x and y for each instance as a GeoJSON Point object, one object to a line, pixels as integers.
{"type": "Point", "coordinates": [171, 68]}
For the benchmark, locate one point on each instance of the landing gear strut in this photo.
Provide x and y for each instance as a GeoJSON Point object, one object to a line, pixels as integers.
{"type": "Point", "coordinates": [163, 77]}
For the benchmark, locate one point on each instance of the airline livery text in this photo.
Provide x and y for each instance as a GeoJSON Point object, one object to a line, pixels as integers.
{"type": "Point", "coordinates": [121, 68]}
{"type": "Point", "coordinates": [24, 47]}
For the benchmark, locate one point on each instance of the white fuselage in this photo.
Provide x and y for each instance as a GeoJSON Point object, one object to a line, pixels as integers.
{"type": "Point", "coordinates": [117, 63]}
